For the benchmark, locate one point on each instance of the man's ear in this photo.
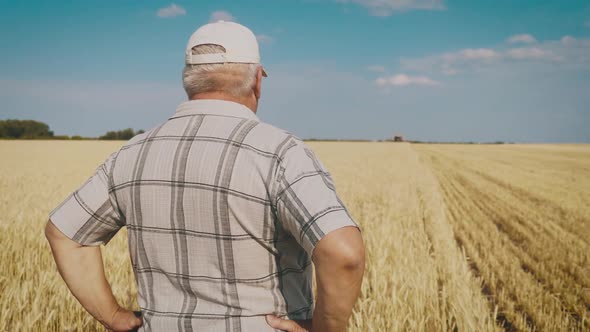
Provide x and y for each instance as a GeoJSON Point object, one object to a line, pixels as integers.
{"type": "Point", "coordinates": [258, 87]}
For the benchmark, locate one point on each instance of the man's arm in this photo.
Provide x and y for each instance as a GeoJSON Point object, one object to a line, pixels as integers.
{"type": "Point", "coordinates": [82, 269]}
{"type": "Point", "coordinates": [308, 207]}
{"type": "Point", "coordinates": [339, 260]}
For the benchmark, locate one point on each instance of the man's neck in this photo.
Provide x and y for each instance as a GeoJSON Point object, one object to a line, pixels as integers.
{"type": "Point", "coordinates": [248, 102]}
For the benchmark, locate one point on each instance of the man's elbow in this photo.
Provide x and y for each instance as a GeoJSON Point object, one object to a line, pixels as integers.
{"type": "Point", "coordinates": [351, 258]}
{"type": "Point", "coordinates": [342, 249]}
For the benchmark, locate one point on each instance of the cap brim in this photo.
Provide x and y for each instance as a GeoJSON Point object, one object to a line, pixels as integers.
{"type": "Point", "coordinates": [264, 73]}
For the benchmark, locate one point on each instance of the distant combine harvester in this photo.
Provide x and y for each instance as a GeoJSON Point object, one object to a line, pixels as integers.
{"type": "Point", "coordinates": [398, 138]}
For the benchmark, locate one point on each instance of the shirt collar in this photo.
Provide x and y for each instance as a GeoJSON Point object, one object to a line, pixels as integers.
{"type": "Point", "coordinates": [214, 107]}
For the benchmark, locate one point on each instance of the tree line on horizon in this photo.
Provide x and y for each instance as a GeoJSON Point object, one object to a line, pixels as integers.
{"type": "Point", "coordinates": [27, 129]}
{"type": "Point", "coordinates": [31, 129]}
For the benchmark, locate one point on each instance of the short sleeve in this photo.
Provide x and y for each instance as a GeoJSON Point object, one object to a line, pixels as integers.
{"type": "Point", "coordinates": [307, 204]}
{"type": "Point", "coordinates": [88, 215]}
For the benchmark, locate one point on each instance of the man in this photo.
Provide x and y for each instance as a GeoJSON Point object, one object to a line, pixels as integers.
{"type": "Point", "coordinates": [224, 213]}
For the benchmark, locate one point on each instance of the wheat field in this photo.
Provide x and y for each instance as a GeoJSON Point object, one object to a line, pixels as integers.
{"type": "Point", "coordinates": [458, 237]}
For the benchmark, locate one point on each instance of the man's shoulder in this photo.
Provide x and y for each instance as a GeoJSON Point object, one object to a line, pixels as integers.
{"type": "Point", "coordinates": [140, 138]}
{"type": "Point", "coordinates": [271, 129]}
{"type": "Point", "coordinates": [129, 148]}
{"type": "Point", "coordinates": [272, 137]}
{"type": "Point", "coordinates": [263, 136]}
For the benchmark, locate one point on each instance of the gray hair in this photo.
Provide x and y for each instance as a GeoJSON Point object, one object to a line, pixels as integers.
{"type": "Point", "coordinates": [235, 79]}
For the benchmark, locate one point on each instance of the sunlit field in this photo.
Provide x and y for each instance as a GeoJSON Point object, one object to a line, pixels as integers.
{"type": "Point", "coordinates": [458, 237]}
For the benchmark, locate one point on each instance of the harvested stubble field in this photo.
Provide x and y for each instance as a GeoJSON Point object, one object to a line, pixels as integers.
{"type": "Point", "coordinates": [459, 237]}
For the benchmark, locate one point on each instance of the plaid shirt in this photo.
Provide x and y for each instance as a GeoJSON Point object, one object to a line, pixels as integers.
{"type": "Point", "coordinates": [223, 213]}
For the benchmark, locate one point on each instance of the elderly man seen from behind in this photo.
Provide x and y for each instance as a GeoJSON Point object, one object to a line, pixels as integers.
{"type": "Point", "coordinates": [225, 214]}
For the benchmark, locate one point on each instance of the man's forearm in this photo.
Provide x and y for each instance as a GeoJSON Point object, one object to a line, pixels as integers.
{"type": "Point", "coordinates": [339, 274]}
{"type": "Point", "coordinates": [335, 300]}
{"type": "Point", "coordinates": [333, 307]}
{"type": "Point", "coordinates": [82, 269]}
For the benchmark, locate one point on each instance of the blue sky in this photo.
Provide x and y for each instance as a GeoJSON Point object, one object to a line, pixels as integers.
{"type": "Point", "coordinates": [427, 69]}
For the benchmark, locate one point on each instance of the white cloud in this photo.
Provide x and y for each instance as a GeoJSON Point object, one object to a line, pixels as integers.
{"type": "Point", "coordinates": [448, 70]}
{"type": "Point", "coordinates": [171, 11]}
{"type": "Point", "coordinates": [568, 52]}
{"type": "Point", "coordinates": [484, 54]}
{"type": "Point", "coordinates": [524, 38]}
{"type": "Point", "coordinates": [568, 40]}
{"type": "Point", "coordinates": [451, 63]}
{"type": "Point", "coordinates": [376, 68]}
{"type": "Point", "coordinates": [264, 39]}
{"type": "Point", "coordinates": [533, 53]}
{"type": "Point", "coordinates": [404, 80]}
{"type": "Point", "coordinates": [526, 53]}
{"type": "Point", "coordinates": [221, 15]}
{"type": "Point", "coordinates": [388, 7]}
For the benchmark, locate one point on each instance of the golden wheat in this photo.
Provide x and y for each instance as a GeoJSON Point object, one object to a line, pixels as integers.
{"type": "Point", "coordinates": [521, 214]}
{"type": "Point", "coordinates": [459, 237]}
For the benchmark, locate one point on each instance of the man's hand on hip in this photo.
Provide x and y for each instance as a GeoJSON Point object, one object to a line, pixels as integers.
{"type": "Point", "coordinates": [82, 269]}
{"type": "Point", "coordinates": [124, 320]}
{"type": "Point", "coordinates": [288, 325]}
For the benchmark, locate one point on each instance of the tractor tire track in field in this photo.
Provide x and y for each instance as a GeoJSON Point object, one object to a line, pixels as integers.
{"type": "Point", "coordinates": [574, 225]}
{"type": "Point", "coordinates": [515, 248]}
{"type": "Point", "coordinates": [506, 318]}
{"type": "Point", "coordinates": [530, 255]}
{"type": "Point", "coordinates": [501, 319]}
{"type": "Point", "coordinates": [532, 235]}
{"type": "Point", "coordinates": [454, 281]}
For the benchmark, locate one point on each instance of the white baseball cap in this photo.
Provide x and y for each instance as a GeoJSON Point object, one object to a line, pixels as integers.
{"type": "Point", "coordinates": [239, 42]}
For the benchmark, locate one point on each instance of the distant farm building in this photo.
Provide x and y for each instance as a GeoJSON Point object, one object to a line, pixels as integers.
{"type": "Point", "coordinates": [398, 138]}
